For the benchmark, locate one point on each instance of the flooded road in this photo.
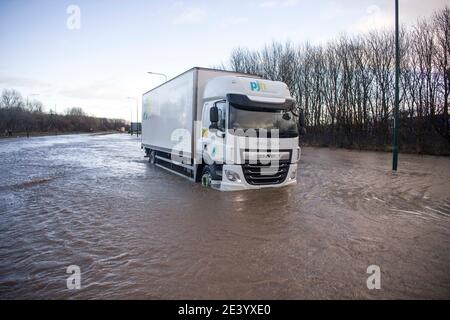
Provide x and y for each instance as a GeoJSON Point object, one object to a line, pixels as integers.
{"type": "Point", "coordinates": [137, 231]}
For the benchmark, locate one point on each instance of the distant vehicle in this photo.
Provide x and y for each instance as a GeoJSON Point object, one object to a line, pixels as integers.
{"type": "Point", "coordinates": [135, 127]}
{"type": "Point", "coordinates": [228, 130]}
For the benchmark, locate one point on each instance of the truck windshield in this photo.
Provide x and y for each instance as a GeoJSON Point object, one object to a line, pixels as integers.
{"type": "Point", "coordinates": [244, 118]}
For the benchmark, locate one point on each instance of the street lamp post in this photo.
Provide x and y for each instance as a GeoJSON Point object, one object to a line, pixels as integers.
{"type": "Point", "coordinates": [131, 120]}
{"type": "Point", "coordinates": [137, 115]}
{"type": "Point", "coordinates": [158, 74]}
{"type": "Point", "coordinates": [396, 107]}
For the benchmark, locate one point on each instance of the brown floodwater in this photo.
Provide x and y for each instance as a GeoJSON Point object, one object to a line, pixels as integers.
{"type": "Point", "coordinates": [137, 231]}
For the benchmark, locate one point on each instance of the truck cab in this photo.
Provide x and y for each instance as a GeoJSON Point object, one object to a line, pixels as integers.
{"type": "Point", "coordinates": [249, 134]}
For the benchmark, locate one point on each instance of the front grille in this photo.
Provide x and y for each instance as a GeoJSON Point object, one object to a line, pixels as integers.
{"type": "Point", "coordinates": [265, 174]}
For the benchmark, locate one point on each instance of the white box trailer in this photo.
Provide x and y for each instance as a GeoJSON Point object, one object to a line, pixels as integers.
{"type": "Point", "coordinates": [174, 106]}
{"type": "Point", "coordinates": [179, 132]}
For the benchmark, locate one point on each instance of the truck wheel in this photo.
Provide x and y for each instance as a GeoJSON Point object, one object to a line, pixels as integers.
{"type": "Point", "coordinates": [152, 157]}
{"type": "Point", "coordinates": [206, 177]}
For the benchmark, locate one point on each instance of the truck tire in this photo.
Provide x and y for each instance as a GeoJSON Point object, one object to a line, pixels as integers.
{"type": "Point", "coordinates": [152, 157]}
{"type": "Point", "coordinates": [206, 177]}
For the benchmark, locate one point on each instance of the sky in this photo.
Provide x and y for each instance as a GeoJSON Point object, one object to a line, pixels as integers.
{"type": "Point", "coordinates": [95, 54]}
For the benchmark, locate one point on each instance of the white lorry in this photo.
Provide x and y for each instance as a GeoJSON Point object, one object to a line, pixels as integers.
{"type": "Point", "coordinates": [227, 130]}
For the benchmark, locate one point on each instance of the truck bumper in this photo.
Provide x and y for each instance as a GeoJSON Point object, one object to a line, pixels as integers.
{"type": "Point", "coordinates": [241, 183]}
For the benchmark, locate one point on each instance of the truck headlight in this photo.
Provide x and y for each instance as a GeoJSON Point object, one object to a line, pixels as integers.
{"type": "Point", "coordinates": [293, 174]}
{"type": "Point", "coordinates": [232, 176]}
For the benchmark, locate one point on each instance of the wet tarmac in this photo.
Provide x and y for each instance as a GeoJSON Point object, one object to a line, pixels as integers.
{"type": "Point", "coordinates": [137, 231]}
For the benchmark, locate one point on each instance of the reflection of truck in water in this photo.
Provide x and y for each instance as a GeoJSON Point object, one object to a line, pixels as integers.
{"type": "Point", "coordinates": [228, 130]}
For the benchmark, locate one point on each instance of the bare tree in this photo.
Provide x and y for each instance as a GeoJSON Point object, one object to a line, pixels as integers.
{"type": "Point", "coordinates": [75, 112]}
{"type": "Point", "coordinates": [18, 117]}
{"type": "Point", "coordinates": [346, 86]}
{"type": "Point", "coordinates": [11, 99]}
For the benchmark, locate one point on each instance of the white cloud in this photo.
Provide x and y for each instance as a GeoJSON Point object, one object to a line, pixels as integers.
{"type": "Point", "coordinates": [268, 4]}
{"type": "Point", "coordinates": [190, 16]}
{"type": "Point", "coordinates": [289, 3]}
{"type": "Point", "coordinates": [23, 82]}
{"type": "Point", "coordinates": [331, 10]}
{"type": "Point", "coordinates": [279, 3]}
{"type": "Point", "coordinates": [374, 18]}
{"type": "Point", "coordinates": [100, 90]}
{"type": "Point", "coordinates": [233, 21]}
{"type": "Point", "coordinates": [178, 5]}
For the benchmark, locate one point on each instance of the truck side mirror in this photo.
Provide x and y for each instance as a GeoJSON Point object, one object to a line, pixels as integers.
{"type": "Point", "coordinates": [214, 114]}
{"type": "Point", "coordinates": [214, 117]}
{"type": "Point", "coordinates": [301, 123]}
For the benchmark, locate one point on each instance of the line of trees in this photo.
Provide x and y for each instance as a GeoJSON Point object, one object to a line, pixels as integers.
{"type": "Point", "coordinates": [346, 86]}
{"type": "Point", "coordinates": [18, 116]}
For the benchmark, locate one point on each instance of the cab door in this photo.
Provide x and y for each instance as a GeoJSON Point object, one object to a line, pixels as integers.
{"type": "Point", "coordinates": [213, 140]}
